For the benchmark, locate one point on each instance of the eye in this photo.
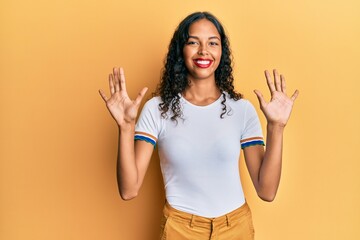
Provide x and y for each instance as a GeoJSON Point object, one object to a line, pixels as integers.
{"type": "Point", "coordinates": [191, 43]}
{"type": "Point", "coordinates": [214, 44]}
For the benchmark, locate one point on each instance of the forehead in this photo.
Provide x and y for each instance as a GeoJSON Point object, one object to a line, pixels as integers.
{"type": "Point", "coordinates": [203, 27]}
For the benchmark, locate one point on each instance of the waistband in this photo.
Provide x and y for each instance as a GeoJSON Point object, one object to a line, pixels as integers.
{"type": "Point", "coordinates": [195, 220]}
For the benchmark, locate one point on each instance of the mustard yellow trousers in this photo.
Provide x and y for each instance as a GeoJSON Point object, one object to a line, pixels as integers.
{"type": "Point", "coordinates": [178, 225]}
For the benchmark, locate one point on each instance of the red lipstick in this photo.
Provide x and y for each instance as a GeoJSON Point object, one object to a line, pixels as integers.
{"type": "Point", "coordinates": [202, 62]}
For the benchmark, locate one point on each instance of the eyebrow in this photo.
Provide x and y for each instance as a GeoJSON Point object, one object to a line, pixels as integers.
{"type": "Point", "coordinates": [213, 37]}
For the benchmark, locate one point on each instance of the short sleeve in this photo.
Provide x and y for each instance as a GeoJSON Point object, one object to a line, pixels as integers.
{"type": "Point", "coordinates": [148, 125]}
{"type": "Point", "coordinates": [252, 132]}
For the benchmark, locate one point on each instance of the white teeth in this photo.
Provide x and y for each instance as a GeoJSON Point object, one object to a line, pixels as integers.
{"type": "Point", "coordinates": [203, 62]}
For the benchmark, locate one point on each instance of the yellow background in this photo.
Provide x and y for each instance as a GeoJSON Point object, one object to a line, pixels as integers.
{"type": "Point", "coordinates": [58, 142]}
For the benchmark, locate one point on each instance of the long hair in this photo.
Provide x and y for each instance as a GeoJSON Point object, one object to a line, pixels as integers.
{"type": "Point", "coordinates": [174, 74]}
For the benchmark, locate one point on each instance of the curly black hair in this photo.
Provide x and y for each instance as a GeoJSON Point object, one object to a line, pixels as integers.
{"type": "Point", "coordinates": [174, 74]}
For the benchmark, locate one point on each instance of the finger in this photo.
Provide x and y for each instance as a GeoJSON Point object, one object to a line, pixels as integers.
{"type": "Point", "coordinates": [260, 97]}
{"type": "Point", "coordinates": [283, 84]}
{"type": "Point", "coordinates": [111, 84]}
{"type": "Point", "coordinates": [102, 94]}
{"type": "Point", "coordinates": [140, 96]}
{"type": "Point", "coordinates": [122, 80]}
{"type": "Point", "coordinates": [277, 80]}
{"type": "Point", "coordinates": [116, 79]}
{"type": "Point", "coordinates": [295, 95]}
{"type": "Point", "coordinates": [269, 82]}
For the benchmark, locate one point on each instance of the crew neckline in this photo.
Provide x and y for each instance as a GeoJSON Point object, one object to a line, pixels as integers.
{"type": "Point", "coordinates": [202, 106]}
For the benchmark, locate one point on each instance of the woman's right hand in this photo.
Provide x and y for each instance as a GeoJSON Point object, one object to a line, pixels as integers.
{"type": "Point", "coordinates": [122, 108]}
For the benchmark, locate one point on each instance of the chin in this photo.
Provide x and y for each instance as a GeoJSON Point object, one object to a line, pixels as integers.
{"type": "Point", "coordinates": [202, 76]}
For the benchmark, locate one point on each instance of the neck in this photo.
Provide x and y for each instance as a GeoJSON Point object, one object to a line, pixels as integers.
{"type": "Point", "coordinates": [202, 92]}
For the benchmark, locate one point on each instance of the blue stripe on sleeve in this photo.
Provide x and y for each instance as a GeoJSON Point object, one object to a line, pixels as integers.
{"type": "Point", "coordinates": [252, 143]}
{"type": "Point", "coordinates": [143, 138]}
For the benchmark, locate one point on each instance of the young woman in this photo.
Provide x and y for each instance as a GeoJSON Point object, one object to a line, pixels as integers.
{"type": "Point", "coordinates": [200, 123]}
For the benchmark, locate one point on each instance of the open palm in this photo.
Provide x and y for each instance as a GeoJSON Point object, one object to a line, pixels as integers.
{"type": "Point", "coordinates": [122, 108]}
{"type": "Point", "coordinates": [278, 110]}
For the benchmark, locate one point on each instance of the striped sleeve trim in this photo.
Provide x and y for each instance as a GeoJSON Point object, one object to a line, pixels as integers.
{"type": "Point", "coordinates": [145, 137]}
{"type": "Point", "coordinates": [252, 141]}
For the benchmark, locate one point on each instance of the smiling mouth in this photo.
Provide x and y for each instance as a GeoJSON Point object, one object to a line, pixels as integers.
{"type": "Point", "coordinates": [202, 63]}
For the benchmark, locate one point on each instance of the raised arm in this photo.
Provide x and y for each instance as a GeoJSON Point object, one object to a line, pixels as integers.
{"type": "Point", "coordinates": [265, 166]}
{"type": "Point", "coordinates": [133, 157]}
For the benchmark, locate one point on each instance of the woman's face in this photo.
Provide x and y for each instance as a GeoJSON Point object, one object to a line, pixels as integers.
{"type": "Point", "coordinates": [202, 51]}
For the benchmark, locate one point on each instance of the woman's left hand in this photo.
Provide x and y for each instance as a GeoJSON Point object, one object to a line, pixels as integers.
{"type": "Point", "coordinates": [278, 110]}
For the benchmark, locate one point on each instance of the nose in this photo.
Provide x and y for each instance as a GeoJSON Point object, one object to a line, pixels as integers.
{"type": "Point", "coordinates": [202, 50]}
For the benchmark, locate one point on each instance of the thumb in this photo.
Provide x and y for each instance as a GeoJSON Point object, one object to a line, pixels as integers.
{"type": "Point", "coordinates": [260, 98]}
{"type": "Point", "coordinates": [140, 96]}
{"type": "Point", "coordinates": [103, 96]}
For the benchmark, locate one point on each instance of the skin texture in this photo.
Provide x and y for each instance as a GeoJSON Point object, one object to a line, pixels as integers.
{"type": "Point", "coordinates": [265, 166]}
{"type": "Point", "coordinates": [174, 78]}
{"type": "Point", "coordinates": [204, 42]}
{"type": "Point", "coordinates": [134, 157]}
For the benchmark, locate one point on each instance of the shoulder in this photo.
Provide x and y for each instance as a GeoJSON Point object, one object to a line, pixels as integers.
{"type": "Point", "coordinates": [241, 103]}
{"type": "Point", "coordinates": [241, 108]}
{"type": "Point", "coordinates": [153, 103]}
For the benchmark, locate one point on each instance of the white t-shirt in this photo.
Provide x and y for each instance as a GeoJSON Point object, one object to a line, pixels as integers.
{"type": "Point", "coordinates": [199, 155]}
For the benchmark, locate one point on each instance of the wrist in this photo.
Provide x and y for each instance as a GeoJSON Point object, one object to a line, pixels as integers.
{"type": "Point", "coordinates": [276, 126]}
{"type": "Point", "coordinates": [126, 126]}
